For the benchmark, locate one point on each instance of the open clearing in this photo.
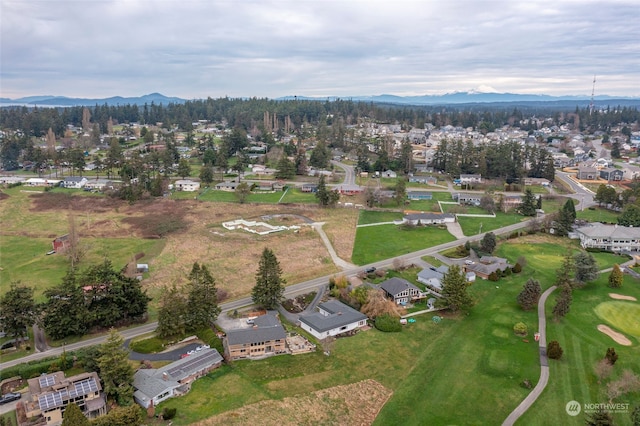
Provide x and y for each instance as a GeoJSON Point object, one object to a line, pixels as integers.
{"type": "Point", "coordinates": [354, 404]}
{"type": "Point", "coordinates": [172, 233]}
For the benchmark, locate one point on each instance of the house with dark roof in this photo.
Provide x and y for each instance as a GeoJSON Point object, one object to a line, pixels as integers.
{"type": "Point", "coordinates": [51, 393]}
{"type": "Point", "coordinates": [433, 276]}
{"type": "Point", "coordinates": [229, 185]}
{"type": "Point", "coordinates": [400, 290]}
{"type": "Point", "coordinates": [266, 337]}
{"type": "Point", "coordinates": [486, 266]}
{"type": "Point", "coordinates": [468, 198]}
{"type": "Point", "coordinates": [428, 218]}
{"type": "Point", "coordinates": [154, 385]}
{"type": "Point", "coordinates": [333, 318]}
{"type": "Point", "coordinates": [586, 172]}
{"type": "Point", "coordinates": [611, 174]}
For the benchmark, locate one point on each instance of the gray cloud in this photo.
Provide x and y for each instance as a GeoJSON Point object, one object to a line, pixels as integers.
{"type": "Point", "coordinates": [195, 49]}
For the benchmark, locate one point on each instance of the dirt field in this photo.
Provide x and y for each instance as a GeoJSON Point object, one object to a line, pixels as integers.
{"type": "Point", "coordinates": [193, 232]}
{"type": "Point", "coordinates": [355, 404]}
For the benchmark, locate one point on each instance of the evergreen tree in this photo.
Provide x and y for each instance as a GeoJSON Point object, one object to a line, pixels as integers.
{"type": "Point", "coordinates": [242, 192]}
{"type": "Point", "coordinates": [530, 294]}
{"type": "Point", "coordinates": [528, 206]}
{"type": "Point", "coordinates": [488, 242]}
{"type": "Point", "coordinates": [115, 371]}
{"type": "Point", "coordinates": [202, 300]}
{"type": "Point", "coordinates": [635, 416]}
{"type": "Point", "coordinates": [121, 416]}
{"type": "Point", "coordinates": [184, 168]}
{"type": "Point", "coordinates": [563, 302]}
{"type": "Point", "coordinates": [586, 267]}
{"type": "Point", "coordinates": [454, 290]}
{"type": "Point", "coordinates": [17, 311]}
{"type": "Point", "coordinates": [301, 162]}
{"type": "Point", "coordinates": [325, 196]}
{"type": "Point", "coordinates": [269, 286]}
{"type": "Point", "coordinates": [65, 312]}
{"type": "Point", "coordinates": [206, 174]}
{"type": "Point", "coordinates": [611, 356]}
{"type": "Point", "coordinates": [554, 351]}
{"type": "Point", "coordinates": [616, 277]}
{"type": "Point", "coordinates": [320, 156]}
{"type": "Point", "coordinates": [630, 216]}
{"type": "Point", "coordinates": [286, 168]}
{"type": "Point", "coordinates": [401, 190]}
{"type": "Point", "coordinates": [172, 314]}
{"type": "Point", "coordinates": [73, 416]}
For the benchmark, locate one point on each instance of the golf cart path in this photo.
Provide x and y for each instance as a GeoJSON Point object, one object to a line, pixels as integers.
{"type": "Point", "coordinates": [544, 364]}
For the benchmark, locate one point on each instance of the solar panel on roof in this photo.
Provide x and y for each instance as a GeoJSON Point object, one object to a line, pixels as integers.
{"type": "Point", "coordinates": [52, 400]}
{"type": "Point", "coordinates": [194, 364]}
{"type": "Point", "coordinates": [84, 387]}
{"type": "Point", "coordinates": [47, 381]}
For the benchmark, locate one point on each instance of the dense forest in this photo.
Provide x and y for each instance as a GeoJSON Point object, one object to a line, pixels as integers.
{"type": "Point", "coordinates": [249, 113]}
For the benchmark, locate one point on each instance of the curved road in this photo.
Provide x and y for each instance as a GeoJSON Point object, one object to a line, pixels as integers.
{"type": "Point", "coordinates": [544, 363]}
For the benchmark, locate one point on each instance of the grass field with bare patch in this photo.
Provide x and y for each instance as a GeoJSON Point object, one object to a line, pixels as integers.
{"type": "Point", "coordinates": [353, 404]}
{"type": "Point", "coordinates": [173, 233]}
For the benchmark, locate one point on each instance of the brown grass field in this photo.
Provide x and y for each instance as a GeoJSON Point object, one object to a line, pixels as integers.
{"type": "Point", "coordinates": [193, 233]}
{"type": "Point", "coordinates": [354, 404]}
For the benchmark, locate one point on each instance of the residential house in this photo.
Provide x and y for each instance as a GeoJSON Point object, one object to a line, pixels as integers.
{"type": "Point", "coordinates": [586, 172]}
{"type": "Point", "coordinates": [309, 187]}
{"type": "Point", "coordinates": [613, 238]}
{"type": "Point", "coordinates": [154, 385]}
{"type": "Point", "coordinates": [470, 178]}
{"type": "Point", "coordinates": [186, 185]}
{"type": "Point", "coordinates": [468, 198]}
{"type": "Point", "coordinates": [42, 182]}
{"type": "Point", "coordinates": [265, 338]}
{"type": "Point", "coordinates": [349, 189]}
{"type": "Point", "coordinates": [61, 243]}
{"type": "Point", "coordinates": [9, 180]}
{"type": "Point", "coordinates": [611, 174]}
{"type": "Point", "coordinates": [510, 202]}
{"type": "Point", "coordinates": [419, 195]}
{"type": "Point", "coordinates": [51, 393]}
{"type": "Point", "coordinates": [536, 181]}
{"type": "Point", "coordinates": [74, 182]}
{"type": "Point", "coordinates": [400, 290]}
{"type": "Point", "coordinates": [229, 186]}
{"type": "Point", "coordinates": [428, 218]}
{"type": "Point", "coordinates": [101, 184]}
{"type": "Point", "coordinates": [486, 266]}
{"type": "Point", "coordinates": [433, 276]}
{"type": "Point", "coordinates": [333, 318]}
{"type": "Point", "coordinates": [429, 180]}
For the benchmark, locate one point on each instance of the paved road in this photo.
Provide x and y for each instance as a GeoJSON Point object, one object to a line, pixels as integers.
{"type": "Point", "coordinates": [544, 364]}
{"type": "Point", "coordinates": [583, 195]}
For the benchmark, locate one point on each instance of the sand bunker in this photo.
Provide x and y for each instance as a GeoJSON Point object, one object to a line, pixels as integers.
{"type": "Point", "coordinates": [622, 297]}
{"type": "Point", "coordinates": [618, 337]}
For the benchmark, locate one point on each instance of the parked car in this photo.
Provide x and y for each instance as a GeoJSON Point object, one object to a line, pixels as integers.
{"type": "Point", "coordinates": [370, 270]}
{"type": "Point", "coordinates": [469, 262]}
{"type": "Point", "coordinates": [10, 397]}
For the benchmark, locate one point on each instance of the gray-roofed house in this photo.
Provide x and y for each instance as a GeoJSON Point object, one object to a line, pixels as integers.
{"type": "Point", "coordinates": [468, 198]}
{"type": "Point", "coordinates": [76, 182]}
{"type": "Point", "coordinates": [586, 172]}
{"type": "Point", "coordinates": [611, 174]}
{"type": "Point", "coordinates": [153, 386]}
{"type": "Point", "coordinates": [428, 218]}
{"type": "Point", "coordinates": [486, 265]}
{"type": "Point", "coordinates": [333, 318]}
{"type": "Point", "coordinates": [400, 290]}
{"type": "Point", "coordinates": [609, 237]}
{"type": "Point", "coordinates": [266, 337]}
{"type": "Point", "coordinates": [433, 276]}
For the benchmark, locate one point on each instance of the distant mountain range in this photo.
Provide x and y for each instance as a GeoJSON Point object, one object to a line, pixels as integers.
{"type": "Point", "coordinates": [63, 101]}
{"type": "Point", "coordinates": [456, 98]}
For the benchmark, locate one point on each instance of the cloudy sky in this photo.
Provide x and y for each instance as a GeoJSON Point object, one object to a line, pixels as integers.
{"type": "Point", "coordinates": [272, 48]}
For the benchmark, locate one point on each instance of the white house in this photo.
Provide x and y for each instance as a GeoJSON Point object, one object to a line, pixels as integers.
{"type": "Point", "coordinates": [42, 182]}
{"type": "Point", "coordinates": [609, 237]}
{"type": "Point", "coordinates": [8, 180]}
{"type": "Point", "coordinates": [433, 276]}
{"type": "Point", "coordinates": [186, 185]}
{"type": "Point", "coordinates": [74, 182]}
{"type": "Point", "coordinates": [428, 218]}
{"type": "Point", "coordinates": [470, 178]}
{"type": "Point", "coordinates": [332, 318]}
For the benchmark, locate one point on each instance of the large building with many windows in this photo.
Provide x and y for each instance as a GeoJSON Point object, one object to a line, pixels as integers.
{"type": "Point", "coordinates": [609, 237]}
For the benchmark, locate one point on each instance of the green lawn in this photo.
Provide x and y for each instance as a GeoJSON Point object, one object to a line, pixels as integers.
{"type": "Point", "coordinates": [294, 195]}
{"type": "Point", "coordinates": [24, 259]}
{"type": "Point", "coordinates": [598, 214]}
{"type": "Point", "coordinates": [230, 197]}
{"type": "Point", "coordinates": [471, 225]}
{"type": "Point", "coordinates": [375, 243]}
{"type": "Point", "coordinates": [370, 216]}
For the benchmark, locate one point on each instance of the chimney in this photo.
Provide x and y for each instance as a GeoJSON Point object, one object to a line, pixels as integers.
{"type": "Point", "coordinates": [165, 376]}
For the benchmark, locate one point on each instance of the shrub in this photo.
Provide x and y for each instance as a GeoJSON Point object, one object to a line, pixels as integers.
{"type": "Point", "coordinates": [388, 323]}
{"type": "Point", "coordinates": [611, 356]}
{"type": "Point", "coordinates": [554, 351]}
{"type": "Point", "coordinates": [520, 329]}
{"type": "Point", "coordinates": [493, 276]}
{"type": "Point", "coordinates": [517, 268]}
{"type": "Point", "coordinates": [169, 413]}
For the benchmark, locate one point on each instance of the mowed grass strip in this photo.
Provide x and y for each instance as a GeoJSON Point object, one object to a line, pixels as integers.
{"type": "Point", "coordinates": [374, 243]}
{"type": "Point", "coordinates": [623, 316]}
